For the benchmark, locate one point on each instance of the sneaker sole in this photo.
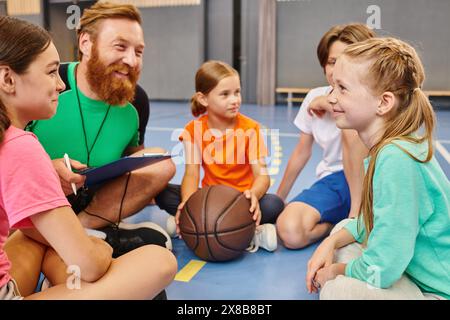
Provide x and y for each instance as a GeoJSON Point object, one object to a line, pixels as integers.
{"type": "Point", "coordinates": [150, 225]}
{"type": "Point", "coordinates": [171, 227]}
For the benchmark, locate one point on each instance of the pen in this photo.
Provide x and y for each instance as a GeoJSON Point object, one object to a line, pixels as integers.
{"type": "Point", "coordinates": [67, 161]}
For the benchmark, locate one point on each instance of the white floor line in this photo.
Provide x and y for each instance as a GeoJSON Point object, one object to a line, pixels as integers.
{"type": "Point", "coordinates": [288, 135]}
{"type": "Point", "coordinates": [161, 129]}
{"type": "Point", "coordinates": [443, 151]}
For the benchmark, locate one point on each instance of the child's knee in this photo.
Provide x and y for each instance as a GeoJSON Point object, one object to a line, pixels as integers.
{"type": "Point", "coordinates": [166, 261]}
{"type": "Point", "coordinates": [169, 265]}
{"type": "Point", "coordinates": [291, 229]}
{"type": "Point", "coordinates": [293, 236]}
{"type": "Point", "coordinates": [287, 223]}
{"type": "Point", "coordinates": [291, 214]}
{"type": "Point", "coordinates": [296, 241]}
{"type": "Point", "coordinates": [337, 289]}
{"type": "Point", "coordinates": [344, 288]}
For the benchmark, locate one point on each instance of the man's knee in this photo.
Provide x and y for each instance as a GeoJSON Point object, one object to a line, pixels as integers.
{"type": "Point", "coordinates": [152, 150]}
{"type": "Point", "coordinates": [162, 171]}
{"type": "Point", "coordinates": [167, 171]}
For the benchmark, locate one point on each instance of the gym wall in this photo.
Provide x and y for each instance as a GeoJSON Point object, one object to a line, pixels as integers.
{"type": "Point", "coordinates": [179, 39]}
{"type": "Point", "coordinates": [301, 24]}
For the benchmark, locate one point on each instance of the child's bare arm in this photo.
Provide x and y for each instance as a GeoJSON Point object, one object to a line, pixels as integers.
{"type": "Point", "coordinates": [319, 106]}
{"type": "Point", "coordinates": [191, 175]}
{"type": "Point", "coordinates": [259, 188]}
{"type": "Point", "coordinates": [262, 181]}
{"type": "Point", "coordinates": [63, 231]}
{"type": "Point", "coordinates": [297, 162]}
{"type": "Point", "coordinates": [354, 152]}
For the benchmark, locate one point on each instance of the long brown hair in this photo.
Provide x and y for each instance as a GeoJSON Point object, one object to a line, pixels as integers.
{"type": "Point", "coordinates": [394, 67]}
{"type": "Point", "coordinates": [206, 79]}
{"type": "Point", "coordinates": [20, 43]}
{"type": "Point", "coordinates": [100, 11]}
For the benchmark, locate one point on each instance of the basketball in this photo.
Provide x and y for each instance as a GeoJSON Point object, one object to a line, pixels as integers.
{"type": "Point", "coordinates": [216, 223]}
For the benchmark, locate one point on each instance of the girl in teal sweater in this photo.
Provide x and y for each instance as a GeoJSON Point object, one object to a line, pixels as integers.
{"type": "Point", "coordinates": [399, 246]}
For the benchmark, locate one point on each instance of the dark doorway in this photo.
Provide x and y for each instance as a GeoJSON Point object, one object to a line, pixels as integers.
{"type": "Point", "coordinates": [237, 34]}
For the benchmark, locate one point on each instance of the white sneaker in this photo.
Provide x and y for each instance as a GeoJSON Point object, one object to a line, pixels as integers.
{"type": "Point", "coordinates": [171, 226]}
{"type": "Point", "coordinates": [45, 284]}
{"type": "Point", "coordinates": [265, 237]}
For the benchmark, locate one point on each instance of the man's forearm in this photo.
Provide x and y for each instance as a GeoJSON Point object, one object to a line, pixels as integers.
{"type": "Point", "coordinates": [130, 150]}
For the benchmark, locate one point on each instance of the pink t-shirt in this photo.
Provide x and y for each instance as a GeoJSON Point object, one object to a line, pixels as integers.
{"type": "Point", "coordinates": [28, 185]}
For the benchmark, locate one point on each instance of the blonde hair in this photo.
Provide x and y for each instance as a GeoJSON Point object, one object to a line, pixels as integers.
{"type": "Point", "coordinates": [346, 33]}
{"type": "Point", "coordinates": [394, 67]}
{"type": "Point", "coordinates": [100, 11]}
{"type": "Point", "coordinates": [206, 79]}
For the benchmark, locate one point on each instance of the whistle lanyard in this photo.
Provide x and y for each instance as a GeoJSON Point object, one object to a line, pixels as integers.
{"type": "Point", "coordinates": [89, 150]}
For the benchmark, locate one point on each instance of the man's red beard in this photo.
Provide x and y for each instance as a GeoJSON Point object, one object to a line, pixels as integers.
{"type": "Point", "coordinates": [104, 82]}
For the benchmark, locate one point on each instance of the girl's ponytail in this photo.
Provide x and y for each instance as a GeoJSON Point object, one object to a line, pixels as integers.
{"type": "Point", "coordinates": [4, 121]}
{"type": "Point", "coordinates": [421, 103]}
{"type": "Point", "coordinates": [197, 108]}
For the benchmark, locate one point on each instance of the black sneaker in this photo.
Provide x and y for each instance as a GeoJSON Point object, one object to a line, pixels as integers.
{"type": "Point", "coordinates": [128, 237]}
{"type": "Point", "coordinates": [161, 296]}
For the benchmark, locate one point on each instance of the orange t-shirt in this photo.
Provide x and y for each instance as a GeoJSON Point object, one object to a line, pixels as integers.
{"type": "Point", "coordinates": [226, 157]}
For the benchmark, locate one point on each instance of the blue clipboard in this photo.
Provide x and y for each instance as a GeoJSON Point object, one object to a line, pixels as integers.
{"type": "Point", "coordinates": [97, 175]}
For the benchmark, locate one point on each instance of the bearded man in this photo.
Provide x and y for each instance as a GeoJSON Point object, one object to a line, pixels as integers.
{"type": "Point", "coordinates": [96, 124]}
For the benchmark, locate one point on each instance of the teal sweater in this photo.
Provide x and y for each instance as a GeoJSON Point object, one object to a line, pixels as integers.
{"type": "Point", "coordinates": [411, 233]}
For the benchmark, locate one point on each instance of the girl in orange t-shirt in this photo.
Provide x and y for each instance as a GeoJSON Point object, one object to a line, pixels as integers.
{"type": "Point", "coordinates": [229, 147]}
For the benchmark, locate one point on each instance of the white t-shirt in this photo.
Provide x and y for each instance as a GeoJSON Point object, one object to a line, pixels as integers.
{"type": "Point", "coordinates": [325, 133]}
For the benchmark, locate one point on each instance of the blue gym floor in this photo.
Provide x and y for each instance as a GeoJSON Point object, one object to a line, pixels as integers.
{"type": "Point", "coordinates": [261, 275]}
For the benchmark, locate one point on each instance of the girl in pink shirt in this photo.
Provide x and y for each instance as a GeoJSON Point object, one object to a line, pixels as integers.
{"type": "Point", "coordinates": [51, 237]}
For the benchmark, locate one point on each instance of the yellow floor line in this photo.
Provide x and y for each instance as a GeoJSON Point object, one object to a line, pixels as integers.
{"type": "Point", "coordinates": [189, 270]}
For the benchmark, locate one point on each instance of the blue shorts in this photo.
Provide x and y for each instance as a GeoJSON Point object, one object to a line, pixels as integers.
{"type": "Point", "coordinates": [330, 196]}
